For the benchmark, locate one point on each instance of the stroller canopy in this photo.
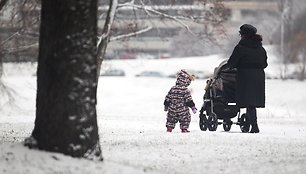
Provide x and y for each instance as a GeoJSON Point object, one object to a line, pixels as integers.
{"type": "Point", "coordinates": [225, 80]}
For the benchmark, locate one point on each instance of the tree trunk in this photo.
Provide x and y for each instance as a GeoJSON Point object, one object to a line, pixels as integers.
{"type": "Point", "coordinates": [1, 65]}
{"type": "Point", "coordinates": [303, 65]}
{"type": "Point", "coordinates": [2, 3]}
{"type": "Point", "coordinates": [66, 119]}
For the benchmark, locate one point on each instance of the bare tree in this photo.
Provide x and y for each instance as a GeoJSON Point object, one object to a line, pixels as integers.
{"type": "Point", "coordinates": [66, 119]}
{"type": "Point", "coordinates": [3, 89]}
{"type": "Point", "coordinates": [292, 24]}
{"type": "Point", "coordinates": [297, 51]}
{"type": "Point", "coordinates": [105, 37]}
{"type": "Point", "coordinates": [20, 36]}
{"type": "Point", "coordinates": [24, 41]}
{"type": "Point", "coordinates": [203, 20]}
{"type": "Point", "coordinates": [2, 4]}
{"type": "Point", "coordinates": [130, 16]}
{"type": "Point", "coordinates": [286, 15]}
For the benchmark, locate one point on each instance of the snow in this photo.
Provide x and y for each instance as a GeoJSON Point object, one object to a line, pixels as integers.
{"type": "Point", "coordinates": [132, 126]}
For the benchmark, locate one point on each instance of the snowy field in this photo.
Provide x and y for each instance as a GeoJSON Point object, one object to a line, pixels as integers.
{"type": "Point", "coordinates": [132, 126]}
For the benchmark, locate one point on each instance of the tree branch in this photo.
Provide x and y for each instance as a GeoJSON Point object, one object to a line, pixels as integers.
{"type": "Point", "coordinates": [22, 48]}
{"type": "Point", "coordinates": [131, 34]}
{"type": "Point", "coordinates": [110, 20]}
{"type": "Point", "coordinates": [9, 38]}
{"type": "Point", "coordinates": [150, 9]}
{"type": "Point", "coordinates": [104, 39]}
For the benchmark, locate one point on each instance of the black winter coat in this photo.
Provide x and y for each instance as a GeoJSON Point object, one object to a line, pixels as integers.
{"type": "Point", "coordinates": [250, 59]}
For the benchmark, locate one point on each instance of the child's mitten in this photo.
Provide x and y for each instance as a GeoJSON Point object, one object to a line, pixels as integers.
{"type": "Point", "coordinates": [194, 109]}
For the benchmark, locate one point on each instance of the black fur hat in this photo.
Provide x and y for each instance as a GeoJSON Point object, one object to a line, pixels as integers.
{"type": "Point", "coordinates": [247, 29]}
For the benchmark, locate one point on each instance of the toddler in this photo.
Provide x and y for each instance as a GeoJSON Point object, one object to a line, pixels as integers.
{"type": "Point", "coordinates": [177, 103]}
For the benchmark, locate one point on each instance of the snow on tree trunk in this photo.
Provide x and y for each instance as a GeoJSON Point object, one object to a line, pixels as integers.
{"type": "Point", "coordinates": [66, 119]}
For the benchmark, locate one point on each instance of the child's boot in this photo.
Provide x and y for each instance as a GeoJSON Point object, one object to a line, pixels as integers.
{"type": "Point", "coordinates": [169, 129]}
{"type": "Point", "coordinates": [185, 131]}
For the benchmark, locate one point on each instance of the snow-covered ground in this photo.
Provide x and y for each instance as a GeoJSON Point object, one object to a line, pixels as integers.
{"type": "Point", "coordinates": [132, 126]}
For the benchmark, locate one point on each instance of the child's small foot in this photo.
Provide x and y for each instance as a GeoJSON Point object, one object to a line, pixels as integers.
{"type": "Point", "coordinates": [169, 129]}
{"type": "Point", "coordinates": [185, 131]}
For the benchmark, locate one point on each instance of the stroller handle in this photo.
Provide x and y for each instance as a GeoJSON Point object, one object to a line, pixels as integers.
{"type": "Point", "coordinates": [208, 83]}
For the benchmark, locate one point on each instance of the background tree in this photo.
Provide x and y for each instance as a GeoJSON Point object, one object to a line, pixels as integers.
{"type": "Point", "coordinates": [6, 93]}
{"type": "Point", "coordinates": [290, 23]}
{"type": "Point", "coordinates": [19, 24]}
{"type": "Point", "coordinates": [200, 20]}
{"type": "Point", "coordinates": [66, 120]}
{"type": "Point", "coordinates": [2, 4]}
{"type": "Point", "coordinates": [105, 37]}
{"type": "Point", "coordinates": [141, 18]}
{"type": "Point", "coordinates": [297, 51]}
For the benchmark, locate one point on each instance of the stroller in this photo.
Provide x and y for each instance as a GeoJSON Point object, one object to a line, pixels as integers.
{"type": "Point", "coordinates": [219, 101]}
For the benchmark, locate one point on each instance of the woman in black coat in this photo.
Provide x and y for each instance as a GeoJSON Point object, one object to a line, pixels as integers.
{"type": "Point", "coordinates": [250, 59]}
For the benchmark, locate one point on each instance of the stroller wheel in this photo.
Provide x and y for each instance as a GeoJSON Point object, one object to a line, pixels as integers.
{"type": "Point", "coordinates": [212, 122]}
{"type": "Point", "coordinates": [244, 123]}
{"type": "Point", "coordinates": [227, 125]}
{"type": "Point", "coordinates": [203, 122]}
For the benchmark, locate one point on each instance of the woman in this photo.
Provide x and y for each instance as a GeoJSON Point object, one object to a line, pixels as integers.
{"type": "Point", "coordinates": [250, 59]}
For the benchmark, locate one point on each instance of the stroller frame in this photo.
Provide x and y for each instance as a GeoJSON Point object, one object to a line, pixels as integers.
{"type": "Point", "coordinates": [218, 107]}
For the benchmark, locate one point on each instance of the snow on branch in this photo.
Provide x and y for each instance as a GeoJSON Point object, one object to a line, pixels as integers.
{"type": "Point", "coordinates": [129, 3]}
{"type": "Point", "coordinates": [108, 23]}
{"type": "Point", "coordinates": [22, 48]}
{"type": "Point", "coordinates": [10, 37]}
{"type": "Point", "coordinates": [151, 10]}
{"type": "Point", "coordinates": [131, 34]}
{"type": "Point", "coordinates": [111, 16]}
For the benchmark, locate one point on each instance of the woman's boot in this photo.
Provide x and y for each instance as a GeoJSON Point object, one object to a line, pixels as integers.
{"type": "Point", "coordinates": [252, 117]}
{"type": "Point", "coordinates": [255, 128]}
